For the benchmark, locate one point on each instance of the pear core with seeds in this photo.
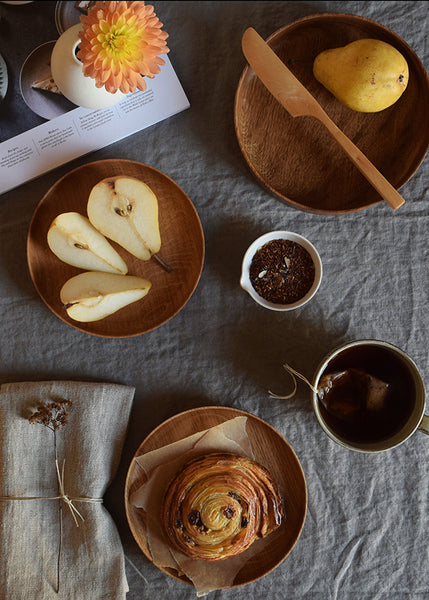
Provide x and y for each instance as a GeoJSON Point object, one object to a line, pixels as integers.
{"type": "Point", "coordinates": [94, 295]}
{"type": "Point", "coordinates": [125, 210]}
{"type": "Point", "coordinates": [73, 239]}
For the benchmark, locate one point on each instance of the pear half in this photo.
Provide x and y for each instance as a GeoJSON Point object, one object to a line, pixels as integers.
{"type": "Point", "coordinates": [94, 295]}
{"type": "Point", "coordinates": [125, 210]}
{"type": "Point", "coordinates": [73, 239]}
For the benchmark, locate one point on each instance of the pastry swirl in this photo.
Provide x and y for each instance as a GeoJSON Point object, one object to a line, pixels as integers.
{"type": "Point", "coordinates": [218, 504]}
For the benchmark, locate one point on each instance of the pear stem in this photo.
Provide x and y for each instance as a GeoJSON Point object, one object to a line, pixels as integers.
{"type": "Point", "coordinates": [162, 263]}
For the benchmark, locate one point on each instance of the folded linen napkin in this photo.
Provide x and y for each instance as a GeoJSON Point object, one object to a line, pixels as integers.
{"type": "Point", "coordinates": [42, 545]}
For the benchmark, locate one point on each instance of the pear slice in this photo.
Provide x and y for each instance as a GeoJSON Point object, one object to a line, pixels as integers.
{"type": "Point", "coordinates": [93, 295]}
{"type": "Point", "coordinates": [73, 239]}
{"type": "Point", "coordinates": [125, 210]}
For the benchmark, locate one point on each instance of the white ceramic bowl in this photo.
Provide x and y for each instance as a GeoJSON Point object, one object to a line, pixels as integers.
{"type": "Point", "coordinates": [246, 284]}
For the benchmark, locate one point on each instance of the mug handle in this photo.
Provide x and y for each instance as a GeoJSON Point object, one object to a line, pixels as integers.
{"type": "Point", "coordinates": [424, 424]}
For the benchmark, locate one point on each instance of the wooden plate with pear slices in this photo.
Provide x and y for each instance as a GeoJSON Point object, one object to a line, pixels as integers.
{"type": "Point", "coordinates": [182, 248]}
{"type": "Point", "coordinates": [296, 159]}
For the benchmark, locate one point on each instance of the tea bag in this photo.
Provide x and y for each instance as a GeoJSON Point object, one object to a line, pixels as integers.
{"type": "Point", "coordinates": [346, 394]}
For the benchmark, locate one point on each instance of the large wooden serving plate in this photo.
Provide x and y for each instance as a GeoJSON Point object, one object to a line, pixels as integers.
{"type": "Point", "coordinates": [296, 159]}
{"type": "Point", "coordinates": [182, 248]}
{"type": "Point", "coordinates": [270, 449]}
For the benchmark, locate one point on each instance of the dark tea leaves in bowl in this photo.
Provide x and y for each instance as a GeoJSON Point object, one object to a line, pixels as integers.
{"type": "Point", "coordinates": [282, 271]}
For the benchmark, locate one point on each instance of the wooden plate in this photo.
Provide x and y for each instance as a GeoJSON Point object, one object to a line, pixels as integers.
{"type": "Point", "coordinates": [296, 159]}
{"type": "Point", "coordinates": [270, 449]}
{"type": "Point", "coordinates": [182, 248]}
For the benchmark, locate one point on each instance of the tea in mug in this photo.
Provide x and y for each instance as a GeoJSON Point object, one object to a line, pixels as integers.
{"type": "Point", "coordinates": [366, 394]}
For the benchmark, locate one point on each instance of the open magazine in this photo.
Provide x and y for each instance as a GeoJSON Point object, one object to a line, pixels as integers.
{"type": "Point", "coordinates": [79, 131]}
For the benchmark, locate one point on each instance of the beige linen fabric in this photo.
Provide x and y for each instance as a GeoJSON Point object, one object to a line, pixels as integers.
{"type": "Point", "coordinates": [92, 559]}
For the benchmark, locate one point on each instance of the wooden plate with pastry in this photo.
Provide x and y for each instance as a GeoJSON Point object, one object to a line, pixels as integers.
{"type": "Point", "coordinates": [274, 464]}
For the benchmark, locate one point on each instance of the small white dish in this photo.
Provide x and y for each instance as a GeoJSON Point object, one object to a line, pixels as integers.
{"type": "Point", "coordinates": [246, 283]}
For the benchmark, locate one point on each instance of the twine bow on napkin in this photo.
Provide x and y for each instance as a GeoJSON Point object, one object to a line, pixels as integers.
{"type": "Point", "coordinates": [62, 496]}
{"type": "Point", "coordinates": [68, 501]}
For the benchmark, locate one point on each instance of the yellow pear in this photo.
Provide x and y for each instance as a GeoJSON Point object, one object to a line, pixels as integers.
{"type": "Point", "coordinates": [367, 75]}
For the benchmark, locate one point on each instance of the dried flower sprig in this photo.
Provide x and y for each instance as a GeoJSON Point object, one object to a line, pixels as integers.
{"type": "Point", "coordinates": [53, 414]}
{"type": "Point", "coordinates": [120, 44]}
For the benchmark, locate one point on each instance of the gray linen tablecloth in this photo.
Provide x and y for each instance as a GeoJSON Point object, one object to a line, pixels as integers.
{"type": "Point", "coordinates": [366, 532]}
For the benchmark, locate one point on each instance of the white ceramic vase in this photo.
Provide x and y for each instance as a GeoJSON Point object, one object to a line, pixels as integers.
{"type": "Point", "coordinates": [68, 75]}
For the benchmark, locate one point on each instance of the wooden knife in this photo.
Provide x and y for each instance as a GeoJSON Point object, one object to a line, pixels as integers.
{"type": "Point", "coordinates": [298, 101]}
